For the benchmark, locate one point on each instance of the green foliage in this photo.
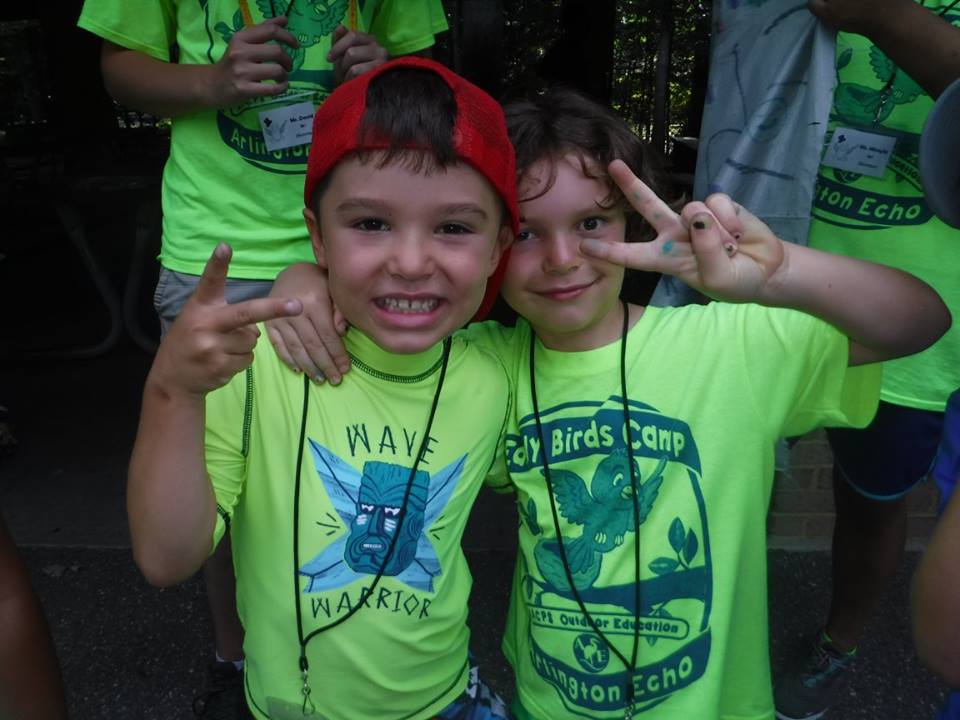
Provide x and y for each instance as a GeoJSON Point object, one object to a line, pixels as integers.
{"type": "Point", "coordinates": [642, 22]}
{"type": "Point", "coordinates": [532, 26]}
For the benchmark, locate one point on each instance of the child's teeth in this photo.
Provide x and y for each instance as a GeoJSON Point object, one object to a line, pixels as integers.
{"type": "Point", "coordinates": [411, 306]}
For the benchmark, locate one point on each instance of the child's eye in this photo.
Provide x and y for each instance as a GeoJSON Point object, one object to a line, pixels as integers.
{"type": "Point", "coordinates": [454, 228]}
{"type": "Point", "coordinates": [523, 235]}
{"type": "Point", "coordinates": [371, 225]}
{"type": "Point", "coordinates": [591, 223]}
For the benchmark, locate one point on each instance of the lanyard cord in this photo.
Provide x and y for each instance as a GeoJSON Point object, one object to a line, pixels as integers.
{"type": "Point", "coordinates": [304, 640]}
{"type": "Point", "coordinates": [631, 664]}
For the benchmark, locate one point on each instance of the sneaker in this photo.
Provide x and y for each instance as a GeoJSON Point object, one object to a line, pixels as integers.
{"type": "Point", "coordinates": [806, 693]}
{"type": "Point", "coordinates": [224, 697]}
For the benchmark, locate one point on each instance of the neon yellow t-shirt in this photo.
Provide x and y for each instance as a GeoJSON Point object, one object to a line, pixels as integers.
{"type": "Point", "coordinates": [886, 219]}
{"type": "Point", "coordinates": [220, 183]}
{"type": "Point", "coordinates": [404, 654]}
{"type": "Point", "coordinates": [710, 389]}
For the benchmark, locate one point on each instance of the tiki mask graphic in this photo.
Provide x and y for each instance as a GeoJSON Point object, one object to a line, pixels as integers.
{"type": "Point", "coordinates": [368, 505]}
{"type": "Point", "coordinates": [379, 505]}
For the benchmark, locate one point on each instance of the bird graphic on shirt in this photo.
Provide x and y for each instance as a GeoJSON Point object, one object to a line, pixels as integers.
{"type": "Point", "coordinates": [605, 511]}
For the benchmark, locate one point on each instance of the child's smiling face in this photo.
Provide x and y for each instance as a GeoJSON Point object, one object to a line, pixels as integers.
{"type": "Point", "coordinates": [570, 299]}
{"type": "Point", "coordinates": [408, 252]}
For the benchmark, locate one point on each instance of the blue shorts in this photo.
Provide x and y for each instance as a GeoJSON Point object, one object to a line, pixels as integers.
{"type": "Point", "coordinates": [946, 471]}
{"type": "Point", "coordinates": [890, 456]}
{"type": "Point", "coordinates": [477, 702]}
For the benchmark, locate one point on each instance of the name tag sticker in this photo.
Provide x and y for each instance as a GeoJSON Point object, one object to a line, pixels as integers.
{"type": "Point", "coordinates": [287, 126]}
{"type": "Point", "coordinates": [861, 152]}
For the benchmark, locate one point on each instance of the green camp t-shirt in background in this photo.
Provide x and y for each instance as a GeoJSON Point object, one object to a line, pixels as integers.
{"type": "Point", "coordinates": [887, 219]}
{"type": "Point", "coordinates": [220, 182]}
{"type": "Point", "coordinates": [404, 654]}
{"type": "Point", "coordinates": [711, 388]}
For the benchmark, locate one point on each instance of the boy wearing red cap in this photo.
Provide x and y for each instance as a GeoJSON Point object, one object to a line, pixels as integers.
{"type": "Point", "coordinates": [347, 503]}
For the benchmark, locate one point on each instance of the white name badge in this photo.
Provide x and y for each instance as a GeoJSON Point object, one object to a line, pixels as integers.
{"type": "Point", "coordinates": [287, 126]}
{"type": "Point", "coordinates": [864, 153]}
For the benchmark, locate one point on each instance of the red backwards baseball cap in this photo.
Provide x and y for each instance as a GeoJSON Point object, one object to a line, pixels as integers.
{"type": "Point", "coordinates": [479, 138]}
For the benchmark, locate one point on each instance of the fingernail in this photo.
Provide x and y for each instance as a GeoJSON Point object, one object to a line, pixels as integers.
{"type": "Point", "coordinates": [730, 248]}
{"type": "Point", "coordinates": [701, 224]}
{"type": "Point", "coordinates": [344, 367]}
{"type": "Point", "coordinates": [319, 378]}
{"type": "Point", "coordinates": [591, 245]}
{"type": "Point", "coordinates": [291, 306]}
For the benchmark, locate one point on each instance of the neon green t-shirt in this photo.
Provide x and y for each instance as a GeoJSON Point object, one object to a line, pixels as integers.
{"type": "Point", "coordinates": [886, 219]}
{"type": "Point", "coordinates": [711, 389]}
{"type": "Point", "coordinates": [220, 182]}
{"type": "Point", "coordinates": [404, 653]}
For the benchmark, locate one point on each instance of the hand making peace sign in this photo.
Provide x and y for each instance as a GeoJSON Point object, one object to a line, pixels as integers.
{"type": "Point", "coordinates": [716, 246]}
{"type": "Point", "coordinates": [211, 340]}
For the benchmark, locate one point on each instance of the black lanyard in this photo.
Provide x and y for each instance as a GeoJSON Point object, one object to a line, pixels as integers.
{"type": "Point", "coordinates": [303, 640]}
{"type": "Point", "coordinates": [631, 664]}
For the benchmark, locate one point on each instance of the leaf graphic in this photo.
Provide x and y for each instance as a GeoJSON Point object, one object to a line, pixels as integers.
{"type": "Point", "coordinates": [690, 547]}
{"type": "Point", "coordinates": [532, 517]}
{"type": "Point", "coordinates": [238, 21]}
{"type": "Point", "coordinates": [676, 534]}
{"type": "Point", "coordinates": [844, 58]}
{"type": "Point", "coordinates": [651, 640]}
{"type": "Point", "coordinates": [857, 104]}
{"type": "Point", "coordinates": [225, 32]}
{"type": "Point", "coordinates": [664, 565]}
{"type": "Point", "coordinates": [265, 8]}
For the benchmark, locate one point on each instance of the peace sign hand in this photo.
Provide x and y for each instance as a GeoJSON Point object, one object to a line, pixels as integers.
{"type": "Point", "coordinates": [211, 340]}
{"type": "Point", "coordinates": [716, 246]}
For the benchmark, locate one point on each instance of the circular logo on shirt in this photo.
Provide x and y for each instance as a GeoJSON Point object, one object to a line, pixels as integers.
{"type": "Point", "coordinates": [591, 653]}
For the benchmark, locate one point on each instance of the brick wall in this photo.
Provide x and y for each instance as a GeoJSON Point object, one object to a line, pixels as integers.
{"type": "Point", "coordinates": [801, 509]}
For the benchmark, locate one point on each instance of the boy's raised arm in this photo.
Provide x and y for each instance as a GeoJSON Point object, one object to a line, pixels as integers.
{"type": "Point", "coordinates": [725, 252]}
{"type": "Point", "coordinates": [170, 502]}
